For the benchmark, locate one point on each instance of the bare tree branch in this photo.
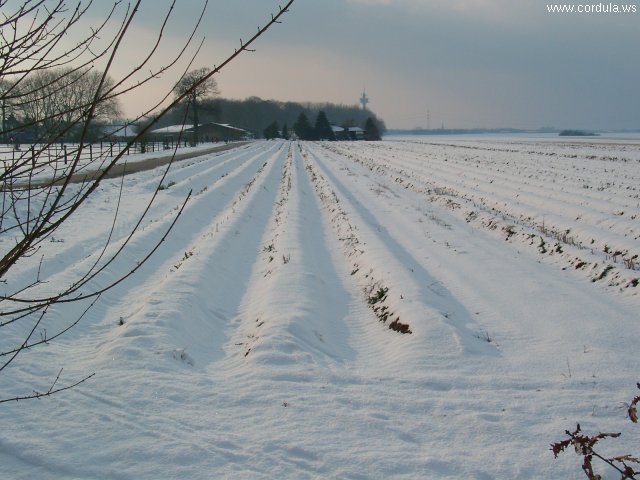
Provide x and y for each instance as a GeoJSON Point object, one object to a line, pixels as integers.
{"type": "Point", "coordinates": [48, 393]}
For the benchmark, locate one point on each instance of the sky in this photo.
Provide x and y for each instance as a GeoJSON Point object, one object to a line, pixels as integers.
{"type": "Point", "coordinates": [423, 63]}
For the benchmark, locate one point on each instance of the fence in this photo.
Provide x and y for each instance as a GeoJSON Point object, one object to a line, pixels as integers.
{"type": "Point", "coordinates": [20, 164]}
{"type": "Point", "coordinates": [66, 152]}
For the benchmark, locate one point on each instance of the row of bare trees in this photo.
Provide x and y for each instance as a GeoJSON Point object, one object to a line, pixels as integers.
{"type": "Point", "coordinates": [38, 63]}
{"type": "Point", "coordinates": [50, 101]}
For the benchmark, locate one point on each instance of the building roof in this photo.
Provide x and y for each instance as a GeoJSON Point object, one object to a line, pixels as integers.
{"type": "Point", "coordinates": [337, 129]}
{"type": "Point", "coordinates": [114, 130]}
{"type": "Point", "coordinates": [188, 128]}
{"type": "Point", "coordinates": [172, 129]}
{"type": "Point", "coordinates": [226, 125]}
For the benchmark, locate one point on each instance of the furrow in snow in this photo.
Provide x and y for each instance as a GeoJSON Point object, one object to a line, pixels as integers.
{"type": "Point", "coordinates": [133, 319]}
{"type": "Point", "coordinates": [186, 311]}
{"type": "Point", "coordinates": [581, 231]}
{"type": "Point", "coordinates": [394, 283]}
{"type": "Point", "coordinates": [98, 214]}
{"type": "Point", "coordinates": [295, 307]}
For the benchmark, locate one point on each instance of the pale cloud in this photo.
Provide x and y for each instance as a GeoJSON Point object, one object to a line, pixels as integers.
{"type": "Point", "coordinates": [374, 2]}
{"type": "Point", "coordinates": [488, 10]}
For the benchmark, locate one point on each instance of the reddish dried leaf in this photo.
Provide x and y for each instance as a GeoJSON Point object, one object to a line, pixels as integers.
{"type": "Point", "coordinates": [625, 458]}
{"type": "Point", "coordinates": [633, 410]}
{"type": "Point", "coordinates": [601, 435]}
{"type": "Point", "coordinates": [559, 447]}
{"type": "Point", "coordinates": [588, 468]}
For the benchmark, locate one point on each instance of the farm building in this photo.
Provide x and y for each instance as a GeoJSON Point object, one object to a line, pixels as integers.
{"type": "Point", "coordinates": [348, 133]}
{"type": "Point", "coordinates": [208, 132]}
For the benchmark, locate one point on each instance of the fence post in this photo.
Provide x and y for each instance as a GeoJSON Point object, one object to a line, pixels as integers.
{"type": "Point", "coordinates": [65, 154]}
{"type": "Point", "coordinates": [90, 152]}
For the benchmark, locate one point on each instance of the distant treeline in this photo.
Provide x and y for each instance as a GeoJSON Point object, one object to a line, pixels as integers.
{"type": "Point", "coordinates": [475, 131]}
{"type": "Point", "coordinates": [255, 114]}
{"type": "Point", "coordinates": [466, 131]}
{"type": "Point", "coordinates": [577, 133]}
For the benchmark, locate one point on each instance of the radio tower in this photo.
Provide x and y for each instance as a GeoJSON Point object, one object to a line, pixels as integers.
{"type": "Point", "coordinates": [364, 100]}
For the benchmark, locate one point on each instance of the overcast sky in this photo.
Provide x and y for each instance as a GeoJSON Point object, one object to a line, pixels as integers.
{"type": "Point", "coordinates": [461, 63]}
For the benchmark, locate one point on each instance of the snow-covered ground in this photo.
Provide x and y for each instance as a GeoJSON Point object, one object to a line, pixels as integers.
{"type": "Point", "coordinates": [398, 309]}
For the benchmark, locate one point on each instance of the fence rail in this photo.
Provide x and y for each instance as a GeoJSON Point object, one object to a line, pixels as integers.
{"type": "Point", "coordinates": [27, 163]}
{"type": "Point", "coordinates": [90, 152]}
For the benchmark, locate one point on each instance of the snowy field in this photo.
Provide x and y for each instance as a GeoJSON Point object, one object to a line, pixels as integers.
{"type": "Point", "coordinates": [417, 308]}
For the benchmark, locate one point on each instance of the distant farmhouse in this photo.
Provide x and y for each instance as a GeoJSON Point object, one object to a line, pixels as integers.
{"type": "Point", "coordinates": [348, 133]}
{"type": "Point", "coordinates": [207, 132]}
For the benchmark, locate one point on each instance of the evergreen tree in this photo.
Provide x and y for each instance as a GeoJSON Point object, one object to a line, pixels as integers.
{"type": "Point", "coordinates": [285, 132]}
{"type": "Point", "coordinates": [323, 128]}
{"type": "Point", "coordinates": [371, 131]}
{"type": "Point", "coordinates": [272, 131]}
{"type": "Point", "coordinates": [303, 128]}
